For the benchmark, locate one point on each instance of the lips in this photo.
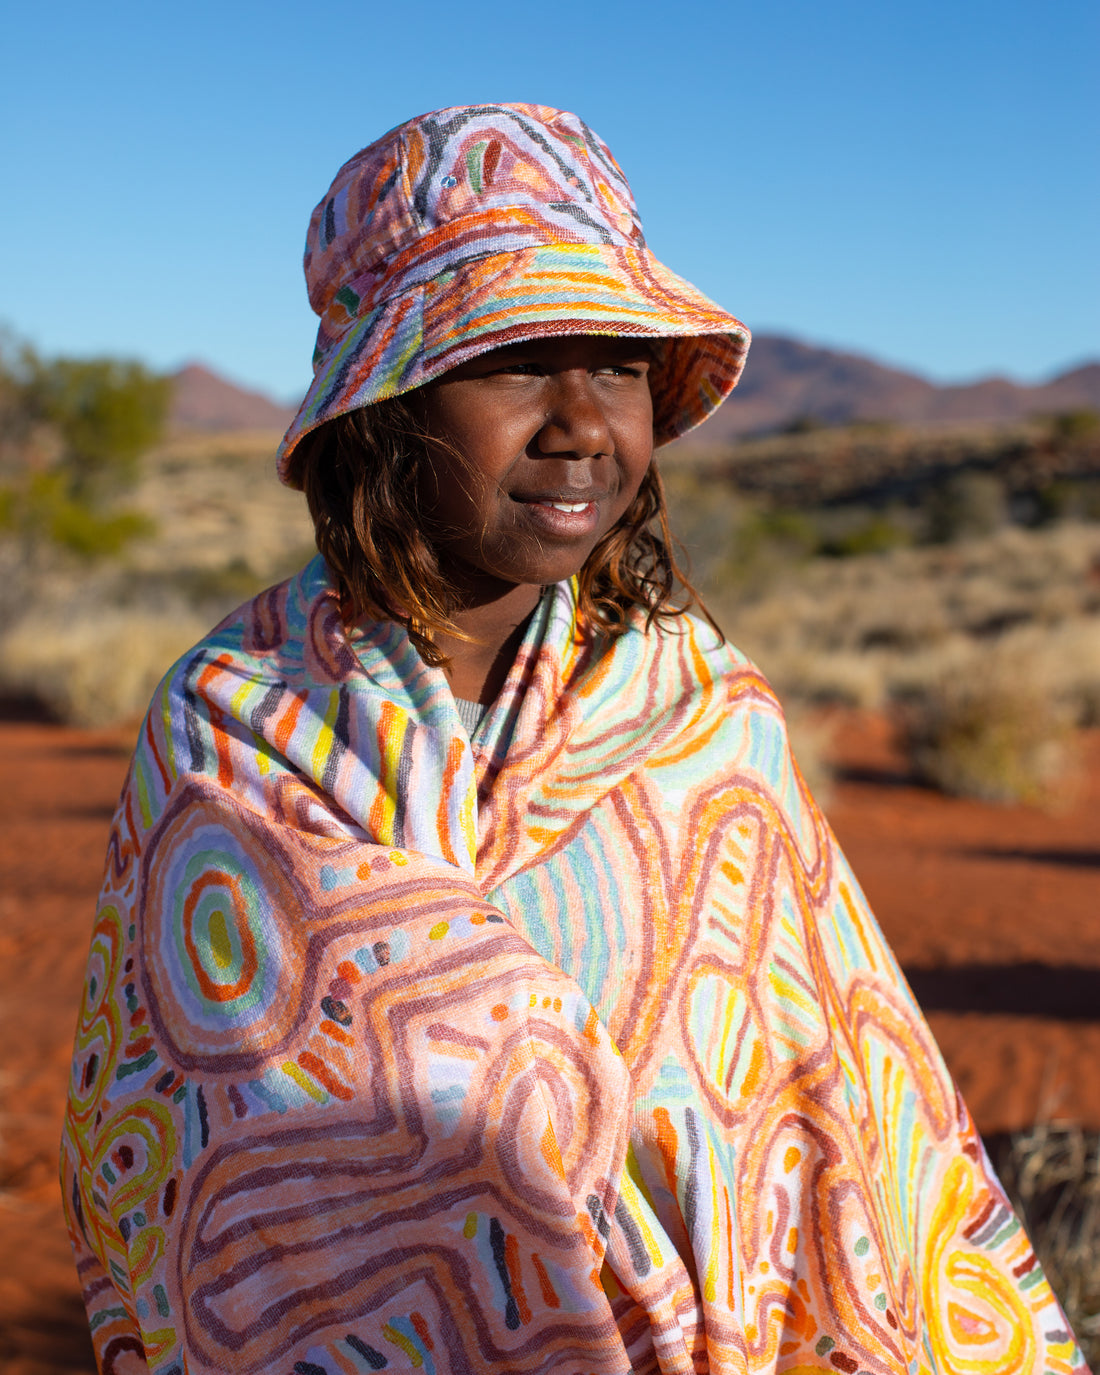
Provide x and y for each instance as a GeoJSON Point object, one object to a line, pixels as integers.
{"type": "Point", "coordinates": [570, 514]}
{"type": "Point", "coordinates": [571, 498]}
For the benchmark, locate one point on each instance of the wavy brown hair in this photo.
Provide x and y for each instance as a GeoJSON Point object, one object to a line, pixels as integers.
{"type": "Point", "coordinates": [361, 474]}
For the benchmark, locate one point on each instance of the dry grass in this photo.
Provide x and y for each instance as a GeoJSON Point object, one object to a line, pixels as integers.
{"type": "Point", "coordinates": [99, 671]}
{"type": "Point", "coordinates": [90, 640]}
{"type": "Point", "coordinates": [989, 650]}
{"type": "Point", "coordinates": [1052, 1175]}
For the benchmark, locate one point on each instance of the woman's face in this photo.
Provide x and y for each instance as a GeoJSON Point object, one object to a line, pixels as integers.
{"type": "Point", "coordinates": [542, 447]}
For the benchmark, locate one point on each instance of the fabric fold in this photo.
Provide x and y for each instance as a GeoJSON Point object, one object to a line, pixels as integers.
{"type": "Point", "coordinates": [576, 1050]}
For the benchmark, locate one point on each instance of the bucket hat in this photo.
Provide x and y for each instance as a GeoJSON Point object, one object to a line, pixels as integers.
{"type": "Point", "coordinates": [483, 225]}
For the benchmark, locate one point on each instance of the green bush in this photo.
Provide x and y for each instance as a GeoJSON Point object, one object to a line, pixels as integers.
{"type": "Point", "coordinates": [766, 537]}
{"type": "Point", "coordinates": [107, 411]}
{"type": "Point", "coordinates": [1069, 426]}
{"type": "Point", "coordinates": [873, 536]}
{"type": "Point", "coordinates": [84, 532]}
{"type": "Point", "coordinates": [103, 414]}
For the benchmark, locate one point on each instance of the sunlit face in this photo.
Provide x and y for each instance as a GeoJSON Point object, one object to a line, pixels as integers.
{"type": "Point", "coordinates": [543, 448]}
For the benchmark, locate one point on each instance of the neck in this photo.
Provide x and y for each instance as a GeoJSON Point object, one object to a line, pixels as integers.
{"type": "Point", "coordinates": [495, 626]}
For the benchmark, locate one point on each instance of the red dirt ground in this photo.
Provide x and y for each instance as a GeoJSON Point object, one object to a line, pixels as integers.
{"type": "Point", "coordinates": [993, 912]}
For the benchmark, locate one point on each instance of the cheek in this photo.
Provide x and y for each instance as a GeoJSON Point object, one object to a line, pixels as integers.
{"type": "Point", "coordinates": [449, 492]}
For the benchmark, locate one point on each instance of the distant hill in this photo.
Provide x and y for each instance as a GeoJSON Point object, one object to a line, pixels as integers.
{"type": "Point", "coordinates": [201, 400]}
{"type": "Point", "coordinates": [784, 381]}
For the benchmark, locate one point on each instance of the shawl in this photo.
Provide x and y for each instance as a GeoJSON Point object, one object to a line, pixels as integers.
{"type": "Point", "coordinates": [574, 1049]}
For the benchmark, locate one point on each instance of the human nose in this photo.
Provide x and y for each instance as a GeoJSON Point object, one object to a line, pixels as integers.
{"type": "Point", "coordinates": [576, 422]}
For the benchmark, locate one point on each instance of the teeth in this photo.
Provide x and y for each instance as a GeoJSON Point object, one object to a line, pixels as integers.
{"type": "Point", "coordinates": [571, 506]}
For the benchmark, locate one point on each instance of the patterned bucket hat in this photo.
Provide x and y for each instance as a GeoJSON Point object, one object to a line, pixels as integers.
{"type": "Point", "coordinates": [484, 225]}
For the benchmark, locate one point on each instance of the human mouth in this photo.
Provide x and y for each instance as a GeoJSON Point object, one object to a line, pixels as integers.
{"type": "Point", "coordinates": [555, 514]}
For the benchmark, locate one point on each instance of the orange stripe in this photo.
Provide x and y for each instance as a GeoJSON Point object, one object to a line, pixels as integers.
{"type": "Point", "coordinates": [455, 751]}
{"type": "Point", "coordinates": [417, 1320]}
{"type": "Point", "coordinates": [668, 1145]}
{"type": "Point", "coordinates": [284, 727]}
{"type": "Point", "coordinates": [211, 672]}
{"type": "Point", "coordinates": [221, 741]}
{"type": "Point", "coordinates": [321, 1072]}
{"type": "Point", "coordinates": [549, 1296]}
{"type": "Point", "coordinates": [731, 1297]}
{"type": "Point", "coordinates": [511, 1260]}
{"type": "Point", "coordinates": [221, 748]}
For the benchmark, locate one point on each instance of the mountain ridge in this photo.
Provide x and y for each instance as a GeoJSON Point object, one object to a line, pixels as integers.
{"type": "Point", "coordinates": [786, 381]}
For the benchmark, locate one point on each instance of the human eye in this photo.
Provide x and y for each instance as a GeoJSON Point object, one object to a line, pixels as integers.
{"type": "Point", "coordinates": [632, 371]}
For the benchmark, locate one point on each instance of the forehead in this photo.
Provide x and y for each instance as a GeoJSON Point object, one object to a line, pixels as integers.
{"type": "Point", "coordinates": [570, 350]}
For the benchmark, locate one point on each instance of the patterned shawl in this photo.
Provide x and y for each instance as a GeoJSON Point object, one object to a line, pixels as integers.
{"type": "Point", "coordinates": [574, 1052]}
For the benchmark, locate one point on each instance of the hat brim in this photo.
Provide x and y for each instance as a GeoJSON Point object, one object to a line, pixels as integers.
{"type": "Point", "coordinates": [427, 328]}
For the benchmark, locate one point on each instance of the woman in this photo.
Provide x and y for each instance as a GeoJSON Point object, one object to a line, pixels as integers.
{"type": "Point", "coordinates": [475, 986]}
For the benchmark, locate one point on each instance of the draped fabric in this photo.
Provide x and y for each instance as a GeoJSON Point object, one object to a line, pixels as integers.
{"type": "Point", "coordinates": [573, 1050]}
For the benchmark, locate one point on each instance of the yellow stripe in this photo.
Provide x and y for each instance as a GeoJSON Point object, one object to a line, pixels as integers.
{"type": "Point", "coordinates": [631, 1196]}
{"type": "Point", "coordinates": [710, 1284]}
{"type": "Point", "coordinates": [391, 1334]}
{"type": "Point", "coordinates": [304, 1082]}
{"type": "Point", "coordinates": [143, 796]}
{"type": "Point", "coordinates": [241, 696]}
{"type": "Point", "coordinates": [384, 813]}
{"type": "Point", "coordinates": [325, 736]}
{"type": "Point", "coordinates": [727, 1026]}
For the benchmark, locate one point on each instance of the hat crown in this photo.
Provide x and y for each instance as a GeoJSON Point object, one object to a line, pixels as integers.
{"type": "Point", "coordinates": [455, 185]}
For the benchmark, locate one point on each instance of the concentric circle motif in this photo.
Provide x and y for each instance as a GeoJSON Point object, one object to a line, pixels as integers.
{"type": "Point", "coordinates": [222, 931]}
{"type": "Point", "coordinates": [215, 911]}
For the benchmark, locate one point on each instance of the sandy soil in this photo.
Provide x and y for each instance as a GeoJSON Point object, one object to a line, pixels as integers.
{"type": "Point", "coordinates": [993, 912]}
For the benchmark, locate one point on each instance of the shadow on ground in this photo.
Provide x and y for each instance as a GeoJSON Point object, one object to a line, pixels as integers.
{"type": "Point", "coordinates": [1067, 993]}
{"type": "Point", "coordinates": [1071, 858]}
{"type": "Point", "coordinates": [50, 1339]}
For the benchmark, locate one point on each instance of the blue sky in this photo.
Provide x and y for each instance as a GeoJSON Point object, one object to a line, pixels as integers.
{"type": "Point", "coordinates": [916, 182]}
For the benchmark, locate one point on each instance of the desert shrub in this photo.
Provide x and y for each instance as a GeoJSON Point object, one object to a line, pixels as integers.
{"type": "Point", "coordinates": [965, 505]}
{"type": "Point", "coordinates": [85, 532]}
{"type": "Point", "coordinates": [875, 534]}
{"type": "Point", "coordinates": [43, 507]}
{"type": "Point", "coordinates": [733, 540]}
{"type": "Point", "coordinates": [763, 544]}
{"type": "Point", "coordinates": [1052, 1175]}
{"type": "Point", "coordinates": [803, 424]}
{"type": "Point", "coordinates": [996, 733]}
{"type": "Point", "coordinates": [1073, 425]}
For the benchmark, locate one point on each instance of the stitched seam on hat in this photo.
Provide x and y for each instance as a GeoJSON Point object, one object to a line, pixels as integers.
{"type": "Point", "coordinates": [406, 186]}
